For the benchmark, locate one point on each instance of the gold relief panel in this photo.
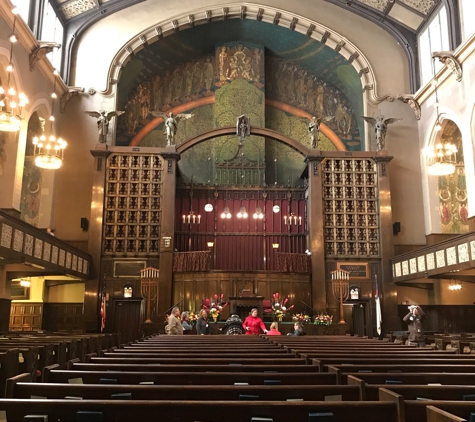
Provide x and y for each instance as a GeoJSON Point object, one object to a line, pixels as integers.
{"type": "Point", "coordinates": [413, 265]}
{"type": "Point", "coordinates": [440, 258]}
{"type": "Point", "coordinates": [451, 256]}
{"type": "Point", "coordinates": [29, 244]}
{"type": "Point", "coordinates": [463, 253]}
{"type": "Point", "coordinates": [397, 268]}
{"type": "Point", "coordinates": [62, 257]}
{"type": "Point", "coordinates": [18, 236]}
{"type": "Point", "coordinates": [47, 252]}
{"type": "Point", "coordinates": [68, 259]}
{"type": "Point", "coordinates": [405, 268]}
{"type": "Point", "coordinates": [6, 239]}
{"type": "Point", "coordinates": [430, 261]}
{"type": "Point", "coordinates": [38, 248]}
{"type": "Point", "coordinates": [421, 263]}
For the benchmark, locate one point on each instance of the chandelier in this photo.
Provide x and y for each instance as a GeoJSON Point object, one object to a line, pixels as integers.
{"type": "Point", "coordinates": [455, 286]}
{"type": "Point", "coordinates": [442, 156]}
{"type": "Point", "coordinates": [11, 103]}
{"type": "Point", "coordinates": [441, 159]}
{"type": "Point", "coordinates": [49, 150]}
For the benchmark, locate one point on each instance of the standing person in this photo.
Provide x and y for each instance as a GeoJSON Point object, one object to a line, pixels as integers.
{"type": "Point", "coordinates": [414, 321]}
{"type": "Point", "coordinates": [202, 324]}
{"type": "Point", "coordinates": [232, 326]}
{"type": "Point", "coordinates": [185, 322]}
{"type": "Point", "coordinates": [274, 330]}
{"type": "Point", "coordinates": [298, 330]}
{"type": "Point", "coordinates": [253, 324]}
{"type": "Point", "coordinates": [174, 326]}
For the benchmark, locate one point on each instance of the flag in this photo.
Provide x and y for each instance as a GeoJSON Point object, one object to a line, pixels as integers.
{"type": "Point", "coordinates": [379, 317]}
{"type": "Point", "coordinates": [103, 305]}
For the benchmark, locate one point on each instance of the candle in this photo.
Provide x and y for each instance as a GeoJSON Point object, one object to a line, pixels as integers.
{"type": "Point", "coordinates": [199, 219]}
{"type": "Point", "coordinates": [184, 218]}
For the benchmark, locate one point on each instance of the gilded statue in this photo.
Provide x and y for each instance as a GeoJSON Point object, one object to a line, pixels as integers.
{"type": "Point", "coordinates": [380, 125]}
{"type": "Point", "coordinates": [171, 123]}
{"type": "Point", "coordinates": [103, 118]}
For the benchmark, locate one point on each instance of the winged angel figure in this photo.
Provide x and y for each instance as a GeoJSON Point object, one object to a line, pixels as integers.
{"type": "Point", "coordinates": [314, 128]}
{"type": "Point", "coordinates": [171, 123]}
{"type": "Point", "coordinates": [103, 118]}
{"type": "Point", "coordinates": [380, 125]}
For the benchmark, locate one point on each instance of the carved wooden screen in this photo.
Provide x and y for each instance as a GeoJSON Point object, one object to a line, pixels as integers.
{"type": "Point", "coordinates": [351, 207]}
{"type": "Point", "coordinates": [132, 208]}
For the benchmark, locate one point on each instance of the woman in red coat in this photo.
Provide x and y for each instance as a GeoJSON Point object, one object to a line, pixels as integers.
{"type": "Point", "coordinates": [253, 324]}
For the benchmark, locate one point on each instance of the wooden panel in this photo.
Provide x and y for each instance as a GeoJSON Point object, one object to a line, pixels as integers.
{"type": "Point", "coordinates": [26, 316]}
{"type": "Point", "coordinates": [63, 317]}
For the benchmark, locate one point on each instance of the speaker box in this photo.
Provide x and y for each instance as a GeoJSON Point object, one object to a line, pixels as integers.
{"type": "Point", "coordinates": [396, 227]}
{"type": "Point", "coordinates": [84, 224]}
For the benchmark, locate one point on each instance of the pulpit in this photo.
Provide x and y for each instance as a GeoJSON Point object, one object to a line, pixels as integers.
{"type": "Point", "coordinates": [242, 305]}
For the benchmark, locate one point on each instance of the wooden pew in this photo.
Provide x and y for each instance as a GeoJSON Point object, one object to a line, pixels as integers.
{"type": "Point", "coordinates": [435, 414]}
{"type": "Point", "coordinates": [9, 367]}
{"type": "Point", "coordinates": [441, 360]}
{"type": "Point", "coordinates": [20, 388]}
{"type": "Point", "coordinates": [190, 378]}
{"type": "Point", "coordinates": [121, 353]}
{"type": "Point", "coordinates": [190, 411]}
{"type": "Point", "coordinates": [412, 378]}
{"type": "Point", "coordinates": [192, 367]}
{"type": "Point", "coordinates": [343, 370]}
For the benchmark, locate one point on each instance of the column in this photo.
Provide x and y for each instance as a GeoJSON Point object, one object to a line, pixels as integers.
{"type": "Point", "coordinates": [93, 285]}
{"type": "Point", "coordinates": [5, 301]}
{"type": "Point", "coordinates": [167, 230]}
{"type": "Point", "coordinates": [316, 243]}
{"type": "Point", "coordinates": [387, 289]}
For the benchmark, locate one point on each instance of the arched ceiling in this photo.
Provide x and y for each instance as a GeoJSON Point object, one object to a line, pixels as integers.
{"type": "Point", "coordinates": [291, 46]}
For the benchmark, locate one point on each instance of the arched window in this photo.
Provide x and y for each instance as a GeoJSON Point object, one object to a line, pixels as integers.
{"type": "Point", "coordinates": [52, 30]}
{"type": "Point", "coordinates": [434, 37]}
{"type": "Point", "coordinates": [467, 12]}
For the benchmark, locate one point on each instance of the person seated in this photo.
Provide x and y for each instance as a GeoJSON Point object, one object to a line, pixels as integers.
{"type": "Point", "coordinates": [274, 330]}
{"type": "Point", "coordinates": [253, 324]}
{"type": "Point", "coordinates": [185, 322]}
{"type": "Point", "coordinates": [232, 326]}
{"type": "Point", "coordinates": [298, 330]}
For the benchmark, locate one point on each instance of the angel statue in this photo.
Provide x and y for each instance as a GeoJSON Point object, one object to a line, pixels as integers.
{"type": "Point", "coordinates": [380, 125]}
{"type": "Point", "coordinates": [103, 118]}
{"type": "Point", "coordinates": [314, 128]}
{"type": "Point", "coordinates": [171, 123]}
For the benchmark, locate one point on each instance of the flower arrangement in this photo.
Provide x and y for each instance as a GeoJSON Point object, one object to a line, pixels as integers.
{"type": "Point", "coordinates": [278, 307]}
{"type": "Point", "coordinates": [217, 304]}
{"type": "Point", "coordinates": [192, 317]}
{"type": "Point", "coordinates": [302, 318]}
{"type": "Point", "coordinates": [323, 319]}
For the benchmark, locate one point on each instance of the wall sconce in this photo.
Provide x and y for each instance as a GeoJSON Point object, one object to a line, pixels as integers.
{"type": "Point", "coordinates": [210, 244]}
{"type": "Point", "coordinates": [292, 219]}
{"type": "Point", "coordinates": [128, 290]}
{"type": "Point", "coordinates": [242, 213]}
{"type": "Point", "coordinates": [275, 246]}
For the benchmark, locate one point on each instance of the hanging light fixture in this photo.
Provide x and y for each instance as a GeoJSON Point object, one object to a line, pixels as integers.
{"type": "Point", "coordinates": [25, 282]}
{"type": "Point", "coordinates": [49, 150]}
{"type": "Point", "coordinates": [291, 218]}
{"type": "Point", "coordinates": [455, 286]}
{"type": "Point", "coordinates": [11, 103]}
{"type": "Point", "coordinates": [442, 156]}
{"type": "Point", "coordinates": [191, 218]}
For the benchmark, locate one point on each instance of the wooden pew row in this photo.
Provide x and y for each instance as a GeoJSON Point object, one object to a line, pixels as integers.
{"type": "Point", "coordinates": [369, 355]}
{"type": "Point", "coordinates": [322, 362]}
{"type": "Point", "coordinates": [189, 360]}
{"type": "Point", "coordinates": [190, 378]}
{"type": "Point", "coordinates": [343, 370]}
{"type": "Point", "coordinates": [192, 367]}
{"type": "Point", "coordinates": [119, 353]}
{"type": "Point", "coordinates": [190, 411]}
{"type": "Point", "coordinates": [410, 378]}
{"type": "Point", "coordinates": [416, 410]}
{"type": "Point", "coordinates": [21, 387]}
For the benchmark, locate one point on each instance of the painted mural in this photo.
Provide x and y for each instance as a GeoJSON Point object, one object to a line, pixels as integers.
{"type": "Point", "coordinates": [452, 189]}
{"type": "Point", "coordinates": [278, 78]}
{"type": "Point", "coordinates": [32, 176]}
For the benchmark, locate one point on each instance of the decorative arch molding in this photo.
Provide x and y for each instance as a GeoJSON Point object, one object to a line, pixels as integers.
{"type": "Point", "coordinates": [258, 131]}
{"type": "Point", "coordinates": [267, 14]}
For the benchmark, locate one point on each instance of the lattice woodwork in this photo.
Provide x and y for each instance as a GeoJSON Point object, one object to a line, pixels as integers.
{"type": "Point", "coordinates": [132, 204]}
{"type": "Point", "coordinates": [351, 207]}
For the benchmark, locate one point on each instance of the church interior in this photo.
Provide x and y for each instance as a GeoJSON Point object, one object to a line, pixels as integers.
{"type": "Point", "coordinates": [321, 150]}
